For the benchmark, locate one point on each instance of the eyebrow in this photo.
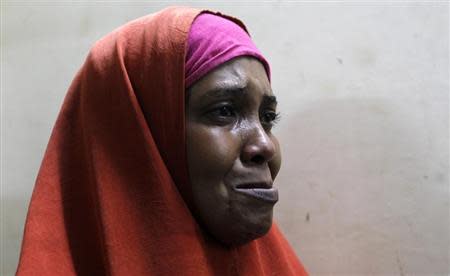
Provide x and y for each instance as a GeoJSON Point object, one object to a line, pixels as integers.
{"type": "Point", "coordinates": [223, 92]}
{"type": "Point", "coordinates": [268, 100]}
{"type": "Point", "coordinates": [220, 92]}
{"type": "Point", "coordinates": [236, 91]}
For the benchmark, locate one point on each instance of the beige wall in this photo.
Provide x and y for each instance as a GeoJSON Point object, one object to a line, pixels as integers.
{"type": "Point", "coordinates": [364, 92]}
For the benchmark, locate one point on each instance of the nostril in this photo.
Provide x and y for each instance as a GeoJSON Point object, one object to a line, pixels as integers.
{"type": "Point", "coordinates": [258, 159]}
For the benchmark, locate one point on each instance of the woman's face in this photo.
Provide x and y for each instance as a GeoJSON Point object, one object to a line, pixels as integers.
{"type": "Point", "coordinates": [233, 156]}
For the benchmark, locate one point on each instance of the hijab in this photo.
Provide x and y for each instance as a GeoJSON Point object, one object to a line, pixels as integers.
{"type": "Point", "coordinates": [112, 193]}
{"type": "Point", "coordinates": [214, 40]}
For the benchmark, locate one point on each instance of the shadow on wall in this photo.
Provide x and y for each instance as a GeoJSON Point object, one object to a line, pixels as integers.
{"type": "Point", "coordinates": [364, 187]}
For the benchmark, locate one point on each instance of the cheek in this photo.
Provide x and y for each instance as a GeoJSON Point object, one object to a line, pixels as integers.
{"type": "Point", "coordinates": [275, 163]}
{"type": "Point", "coordinates": [211, 151]}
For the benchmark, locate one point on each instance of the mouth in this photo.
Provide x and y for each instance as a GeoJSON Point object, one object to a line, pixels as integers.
{"type": "Point", "coordinates": [255, 185]}
{"type": "Point", "coordinates": [259, 190]}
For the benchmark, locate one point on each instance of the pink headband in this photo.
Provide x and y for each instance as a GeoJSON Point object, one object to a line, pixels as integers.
{"type": "Point", "coordinates": [214, 40]}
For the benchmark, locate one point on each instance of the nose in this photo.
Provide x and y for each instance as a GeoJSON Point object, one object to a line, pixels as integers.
{"type": "Point", "coordinates": [258, 146]}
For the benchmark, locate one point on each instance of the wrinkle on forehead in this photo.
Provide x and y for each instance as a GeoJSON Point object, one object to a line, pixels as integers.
{"type": "Point", "coordinates": [242, 74]}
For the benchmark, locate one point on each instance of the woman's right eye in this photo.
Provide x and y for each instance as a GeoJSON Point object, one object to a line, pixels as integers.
{"type": "Point", "coordinates": [223, 114]}
{"type": "Point", "coordinates": [225, 111]}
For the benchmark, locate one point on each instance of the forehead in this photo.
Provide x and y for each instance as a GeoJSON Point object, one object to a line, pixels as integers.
{"type": "Point", "coordinates": [242, 73]}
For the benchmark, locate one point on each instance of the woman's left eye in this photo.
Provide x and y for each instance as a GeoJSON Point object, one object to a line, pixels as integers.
{"type": "Point", "coordinates": [270, 117]}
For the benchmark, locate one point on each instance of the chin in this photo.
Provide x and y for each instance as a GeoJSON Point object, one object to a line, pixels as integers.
{"type": "Point", "coordinates": [255, 229]}
{"type": "Point", "coordinates": [246, 230]}
{"type": "Point", "coordinates": [234, 220]}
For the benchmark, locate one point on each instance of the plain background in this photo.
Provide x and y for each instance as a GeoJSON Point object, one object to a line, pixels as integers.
{"type": "Point", "coordinates": [364, 97]}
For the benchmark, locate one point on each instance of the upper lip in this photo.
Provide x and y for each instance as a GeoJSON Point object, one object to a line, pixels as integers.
{"type": "Point", "coordinates": [255, 184]}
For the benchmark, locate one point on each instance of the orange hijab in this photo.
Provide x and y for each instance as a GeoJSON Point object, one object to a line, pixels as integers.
{"type": "Point", "coordinates": [108, 196]}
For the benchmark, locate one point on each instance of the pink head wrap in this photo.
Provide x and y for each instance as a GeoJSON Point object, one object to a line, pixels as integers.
{"type": "Point", "coordinates": [214, 40]}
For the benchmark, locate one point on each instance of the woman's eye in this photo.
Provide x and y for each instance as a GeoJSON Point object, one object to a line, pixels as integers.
{"type": "Point", "coordinates": [270, 118]}
{"type": "Point", "coordinates": [222, 115]}
{"type": "Point", "coordinates": [225, 111]}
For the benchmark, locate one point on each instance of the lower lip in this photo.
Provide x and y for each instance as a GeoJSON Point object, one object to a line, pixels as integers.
{"type": "Point", "coordinates": [269, 195]}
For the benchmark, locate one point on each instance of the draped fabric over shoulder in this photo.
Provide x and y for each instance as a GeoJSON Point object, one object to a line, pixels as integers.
{"type": "Point", "coordinates": [112, 193]}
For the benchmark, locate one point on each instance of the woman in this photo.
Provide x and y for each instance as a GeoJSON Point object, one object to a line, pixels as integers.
{"type": "Point", "coordinates": [161, 161]}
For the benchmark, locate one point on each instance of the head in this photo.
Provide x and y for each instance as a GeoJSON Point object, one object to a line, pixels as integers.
{"type": "Point", "coordinates": [233, 155]}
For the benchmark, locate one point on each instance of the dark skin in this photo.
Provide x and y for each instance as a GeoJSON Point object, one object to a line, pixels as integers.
{"type": "Point", "coordinates": [233, 156]}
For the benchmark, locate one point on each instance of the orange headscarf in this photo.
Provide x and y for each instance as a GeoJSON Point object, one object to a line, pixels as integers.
{"type": "Point", "coordinates": [111, 196]}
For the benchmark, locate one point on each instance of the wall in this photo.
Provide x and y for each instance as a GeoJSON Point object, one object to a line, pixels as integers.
{"type": "Point", "coordinates": [364, 96]}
